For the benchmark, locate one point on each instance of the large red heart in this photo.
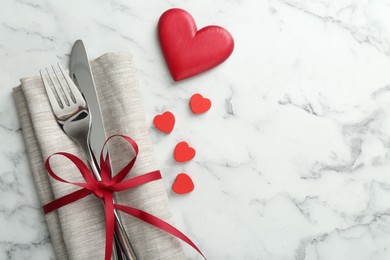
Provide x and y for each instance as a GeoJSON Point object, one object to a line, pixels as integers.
{"type": "Point", "coordinates": [188, 51]}
{"type": "Point", "coordinates": [183, 152]}
{"type": "Point", "coordinates": [183, 184]}
{"type": "Point", "coordinates": [199, 104]}
{"type": "Point", "coordinates": [165, 122]}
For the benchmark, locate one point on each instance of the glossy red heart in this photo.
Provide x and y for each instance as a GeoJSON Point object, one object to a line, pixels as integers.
{"type": "Point", "coordinates": [164, 122]}
{"type": "Point", "coordinates": [199, 104]}
{"type": "Point", "coordinates": [183, 152]}
{"type": "Point", "coordinates": [188, 51]}
{"type": "Point", "coordinates": [183, 184]}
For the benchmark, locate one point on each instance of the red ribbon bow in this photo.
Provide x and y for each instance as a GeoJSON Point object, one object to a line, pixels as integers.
{"type": "Point", "coordinates": [104, 190]}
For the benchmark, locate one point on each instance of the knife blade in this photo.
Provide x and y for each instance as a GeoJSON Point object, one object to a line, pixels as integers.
{"type": "Point", "coordinates": [81, 74]}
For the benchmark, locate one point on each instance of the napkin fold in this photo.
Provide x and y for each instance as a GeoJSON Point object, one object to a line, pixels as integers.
{"type": "Point", "coordinates": [77, 230]}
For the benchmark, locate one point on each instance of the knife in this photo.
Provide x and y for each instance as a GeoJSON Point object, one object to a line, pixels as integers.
{"type": "Point", "coordinates": [81, 74]}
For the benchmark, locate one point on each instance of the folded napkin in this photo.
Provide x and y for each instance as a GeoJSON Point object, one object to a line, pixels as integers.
{"type": "Point", "coordinates": [78, 229]}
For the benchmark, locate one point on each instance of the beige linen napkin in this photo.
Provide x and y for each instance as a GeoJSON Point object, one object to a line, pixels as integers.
{"type": "Point", "coordinates": [78, 230]}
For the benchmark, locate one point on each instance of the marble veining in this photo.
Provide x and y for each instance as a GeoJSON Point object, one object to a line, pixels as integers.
{"type": "Point", "coordinates": [293, 159]}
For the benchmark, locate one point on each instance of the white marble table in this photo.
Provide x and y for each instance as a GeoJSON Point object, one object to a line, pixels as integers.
{"type": "Point", "coordinates": [293, 158]}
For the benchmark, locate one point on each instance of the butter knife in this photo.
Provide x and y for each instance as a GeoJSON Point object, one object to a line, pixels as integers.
{"type": "Point", "coordinates": [81, 74]}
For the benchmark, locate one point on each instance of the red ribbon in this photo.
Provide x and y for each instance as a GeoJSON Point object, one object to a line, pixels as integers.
{"type": "Point", "coordinates": [104, 190]}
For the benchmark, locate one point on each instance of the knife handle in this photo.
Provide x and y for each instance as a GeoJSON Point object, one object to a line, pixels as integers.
{"type": "Point", "coordinates": [121, 237]}
{"type": "Point", "coordinates": [124, 242]}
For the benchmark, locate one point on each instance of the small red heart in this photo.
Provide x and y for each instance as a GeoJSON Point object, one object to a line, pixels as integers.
{"type": "Point", "coordinates": [183, 152]}
{"type": "Point", "coordinates": [183, 184]}
{"type": "Point", "coordinates": [199, 104]}
{"type": "Point", "coordinates": [165, 122]}
{"type": "Point", "coordinates": [188, 51]}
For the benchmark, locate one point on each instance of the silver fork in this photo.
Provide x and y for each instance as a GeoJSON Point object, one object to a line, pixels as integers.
{"type": "Point", "coordinates": [72, 114]}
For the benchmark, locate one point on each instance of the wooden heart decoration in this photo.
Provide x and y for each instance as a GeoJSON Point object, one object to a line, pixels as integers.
{"type": "Point", "coordinates": [183, 184]}
{"type": "Point", "coordinates": [164, 122]}
{"type": "Point", "coordinates": [183, 152]}
{"type": "Point", "coordinates": [199, 104]}
{"type": "Point", "coordinates": [188, 51]}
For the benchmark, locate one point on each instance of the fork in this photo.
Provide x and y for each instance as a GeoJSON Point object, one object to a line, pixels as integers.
{"type": "Point", "coordinates": [71, 112]}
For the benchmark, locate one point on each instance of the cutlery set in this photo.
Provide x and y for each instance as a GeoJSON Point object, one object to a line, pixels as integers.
{"type": "Point", "coordinates": [76, 108]}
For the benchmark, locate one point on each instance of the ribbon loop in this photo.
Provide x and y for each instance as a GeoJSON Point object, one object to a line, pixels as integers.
{"type": "Point", "coordinates": [104, 190]}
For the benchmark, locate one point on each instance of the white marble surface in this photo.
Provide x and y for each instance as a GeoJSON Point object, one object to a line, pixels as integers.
{"type": "Point", "coordinates": [293, 158]}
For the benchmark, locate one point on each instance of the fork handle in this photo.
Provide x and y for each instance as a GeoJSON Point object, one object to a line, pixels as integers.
{"type": "Point", "coordinates": [119, 232]}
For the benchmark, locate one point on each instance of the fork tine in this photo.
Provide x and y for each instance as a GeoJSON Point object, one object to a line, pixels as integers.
{"type": "Point", "coordinates": [52, 99]}
{"type": "Point", "coordinates": [57, 89]}
{"type": "Point", "coordinates": [74, 90]}
{"type": "Point", "coordinates": [63, 88]}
